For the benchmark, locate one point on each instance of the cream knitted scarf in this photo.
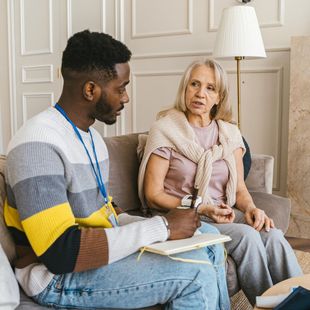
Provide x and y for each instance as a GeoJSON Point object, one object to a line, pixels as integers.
{"type": "Point", "coordinates": [173, 130]}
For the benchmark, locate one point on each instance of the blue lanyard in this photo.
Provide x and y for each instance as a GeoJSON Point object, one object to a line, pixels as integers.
{"type": "Point", "coordinates": [97, 175]}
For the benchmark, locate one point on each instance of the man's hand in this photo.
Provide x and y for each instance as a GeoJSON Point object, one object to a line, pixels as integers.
{"type": "Point", "coordinates": [220, 214]}
{"type": "Point", "coordinates": [182, 223]}
{"type": "Point", "coordinates": [257, 218]}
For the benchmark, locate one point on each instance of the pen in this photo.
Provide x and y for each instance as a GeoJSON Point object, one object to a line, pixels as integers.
{"type": "Point", "coordinates": [194, 197]}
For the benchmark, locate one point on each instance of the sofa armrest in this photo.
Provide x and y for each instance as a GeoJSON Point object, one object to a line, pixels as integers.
{"type": "Point", "coordinates": [260, 177]}
{"type": "Point", "coordinates": [2, 180]}
{"type": "Point", "coordinates": [276, 207]}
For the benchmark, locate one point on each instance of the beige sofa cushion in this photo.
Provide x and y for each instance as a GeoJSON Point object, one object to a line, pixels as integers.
{"type": "Point", "coordinates": [260, 177]}
{"type": "Point", "coordinates": [5, 237]}
{"type": "Point", "coordinates": [276, 207]}
{"type": "Point", "coordinates": [124, 167]}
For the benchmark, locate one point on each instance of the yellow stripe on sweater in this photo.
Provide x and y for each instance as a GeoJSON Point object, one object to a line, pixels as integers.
{"type": "Point", "coordinates": [98, 218]}
{"type": "Point", "coordinates": [11, 216]}
{"type": "Point", "coordinates": [43, 228]}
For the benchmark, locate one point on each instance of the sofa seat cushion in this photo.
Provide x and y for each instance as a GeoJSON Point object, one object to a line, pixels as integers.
{"type": "Point", "coordinates": [231, 277]}
{"type": "Point", "coordinates": [26, 303]}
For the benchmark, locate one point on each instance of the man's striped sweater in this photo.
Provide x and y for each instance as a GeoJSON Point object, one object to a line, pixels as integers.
{"type": "Point", "coordinates": [54, 208]}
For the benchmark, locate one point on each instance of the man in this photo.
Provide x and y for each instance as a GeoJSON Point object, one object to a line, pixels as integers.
{"type": "Point", "coordinates": [73, 249]}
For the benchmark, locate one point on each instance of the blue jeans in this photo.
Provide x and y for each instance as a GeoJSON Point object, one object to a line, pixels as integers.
{"type": "Point", "coordinates": [155, 279]}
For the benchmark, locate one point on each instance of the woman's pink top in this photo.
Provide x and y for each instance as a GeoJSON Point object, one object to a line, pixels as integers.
{"type": "Point", "coordinates": [180, 177]}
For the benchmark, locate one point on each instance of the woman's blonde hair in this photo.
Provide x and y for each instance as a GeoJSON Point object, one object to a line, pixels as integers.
{"type": "Point", "coordinates": [220, 111]}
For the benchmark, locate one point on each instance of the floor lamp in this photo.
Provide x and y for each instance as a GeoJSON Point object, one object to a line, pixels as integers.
{"type": "Point", "coordinates": [239, 36]}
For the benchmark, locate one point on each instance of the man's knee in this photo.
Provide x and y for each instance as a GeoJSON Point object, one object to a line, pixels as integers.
{"type": "Point", "coordinates": [196, 271]}
{"type": "Point", "coordinates": [208, 228]}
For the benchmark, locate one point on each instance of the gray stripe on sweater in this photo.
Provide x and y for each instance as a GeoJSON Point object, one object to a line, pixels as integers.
{"type": "Point", "coordinates": [33, 196]}
{"type": "Point", "coordinates": [24, 162]}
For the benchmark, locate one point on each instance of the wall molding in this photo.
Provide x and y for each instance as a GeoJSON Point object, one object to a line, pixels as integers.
{"type": "Point", "coordinates": [279, 71]}
{"type": "Point", "coordinates": [121, 14]}
{"type": "Point", "coordinates": [188, 30]}
{"type": "Point", "coordinates": [48, 50]}
{"type": "Point", "coordinates": [276, 23]}
{"type": "Point", "coordinates": [116, 19]}
{"type": "Point", "coordinates": [48, 68]}
{"type": "Point", "coordinates": [103, 15]}
{"type": "Point", "coordinates": [197, 53]}
{"type": "Point", "coordinates": [49, 95]}
{"type": "Point", "coordinates": [122, 39]}
{"type": "Point", "coordinates": [12, 64]}
{"type": "Point", "coordinates": [69, 17]}
{"type": "Point", "coordinates": [2, 149]}
{"type": "Point", "coordinates": [119, 19]}
{"type": "Point", "coordinates": [211, 26]}
{"type": "Point", "coordinates": [133, 100]}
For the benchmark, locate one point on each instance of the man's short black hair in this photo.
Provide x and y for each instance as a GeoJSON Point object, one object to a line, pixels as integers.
{"type": "Point", "coordinates": [88, 51]}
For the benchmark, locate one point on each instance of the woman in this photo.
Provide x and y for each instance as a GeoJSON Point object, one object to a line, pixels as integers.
{"type": "Point", "coordinates": [195, 145]}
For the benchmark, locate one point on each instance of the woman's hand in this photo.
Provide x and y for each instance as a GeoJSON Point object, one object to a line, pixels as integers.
{"type": "Point", "coordinates": [254, 217]}
{"type": "Point", "coordinates": [257, 218]}
{"type": "Point", "coordinates": [220, 214]}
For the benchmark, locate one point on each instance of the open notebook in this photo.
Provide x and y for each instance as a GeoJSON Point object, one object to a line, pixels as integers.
{"type": "Point", "coordinates": [182, 245]}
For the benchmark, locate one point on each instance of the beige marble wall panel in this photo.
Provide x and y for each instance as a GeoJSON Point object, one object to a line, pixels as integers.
{"type": "Point", "coordinates": [299, 138]}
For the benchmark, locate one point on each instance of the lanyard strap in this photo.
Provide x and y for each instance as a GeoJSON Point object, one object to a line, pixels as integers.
{"type": "Point", "coordinates": [97, 175]}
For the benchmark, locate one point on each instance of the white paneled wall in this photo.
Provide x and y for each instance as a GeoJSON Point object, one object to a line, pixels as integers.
{"type": "Point", "coordinates": [270, 13]}
{"type": "Point", "coordinates": [164, 36]}
{"type": "Point", "coordinates": [143, 10]}
{"type": "Point", "coordinates": [34, 48]}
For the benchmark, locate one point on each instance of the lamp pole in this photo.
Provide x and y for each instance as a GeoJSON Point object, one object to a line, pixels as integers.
{"type": "Point", "coordinates": [238, 58]}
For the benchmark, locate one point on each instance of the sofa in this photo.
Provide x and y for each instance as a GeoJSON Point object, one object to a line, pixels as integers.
{"type": "Point", "coordinates": [124, 165]}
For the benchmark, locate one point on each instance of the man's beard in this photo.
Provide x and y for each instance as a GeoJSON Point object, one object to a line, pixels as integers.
{"type": "Point", "coordinates": [104, 112]}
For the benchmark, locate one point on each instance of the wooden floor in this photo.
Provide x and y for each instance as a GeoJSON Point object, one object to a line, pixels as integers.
{"type": "Point", "coordinates": [300, 244]}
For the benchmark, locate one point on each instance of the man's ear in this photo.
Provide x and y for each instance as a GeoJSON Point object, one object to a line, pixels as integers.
{"type": "Point", "coordinates": [89, 90]}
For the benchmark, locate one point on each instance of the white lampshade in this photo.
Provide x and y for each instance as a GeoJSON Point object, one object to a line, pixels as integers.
{"type": "Point", "coordinates": [239, 34]}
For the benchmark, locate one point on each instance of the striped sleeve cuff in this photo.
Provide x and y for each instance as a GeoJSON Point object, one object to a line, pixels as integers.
{"type": "Point", "coordinates": [128, 239]}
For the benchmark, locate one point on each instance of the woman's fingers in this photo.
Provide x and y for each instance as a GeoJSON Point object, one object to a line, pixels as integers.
{"type": "Point", "coordinates": [267, 224]}
{"type": "Point", "coordinates": [224, 214]}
